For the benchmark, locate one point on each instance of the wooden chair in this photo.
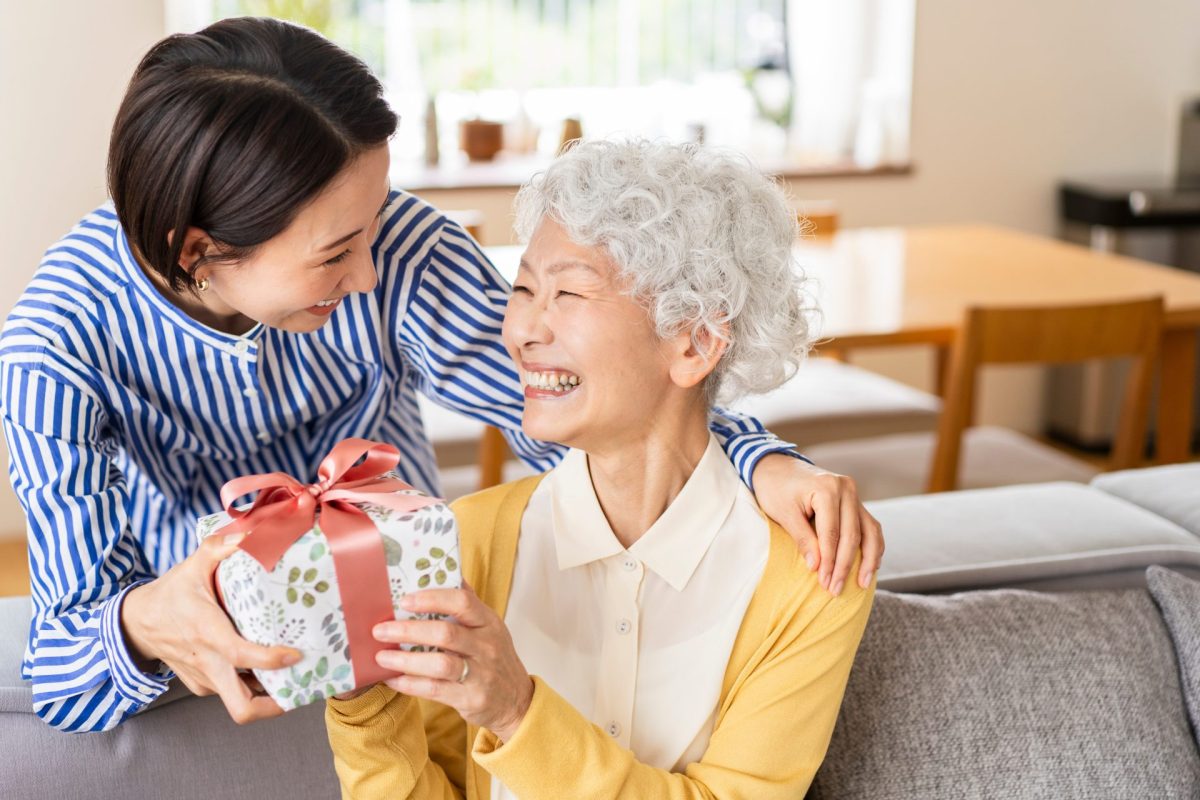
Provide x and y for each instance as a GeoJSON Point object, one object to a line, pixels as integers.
{"type": "Point", "coordinates": [891, 466]}
{"type": "Point", "coordinates": [493, 452]}
{"type": "Point", "coordinates": [1051, 336]}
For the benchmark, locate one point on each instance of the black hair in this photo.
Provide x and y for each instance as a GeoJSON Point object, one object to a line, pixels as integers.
{"type": "Point", "coordinates": [233, 130]}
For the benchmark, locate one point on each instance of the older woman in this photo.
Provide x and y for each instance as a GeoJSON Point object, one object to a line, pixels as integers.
{"type": "Point", "coordinates": [678, 647]}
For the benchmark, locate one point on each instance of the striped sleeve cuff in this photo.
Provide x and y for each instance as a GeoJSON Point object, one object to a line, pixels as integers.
{"type": "Point", "coordinates": [747, 449]}
{"type": "Point", "coordinates": [132, 684]}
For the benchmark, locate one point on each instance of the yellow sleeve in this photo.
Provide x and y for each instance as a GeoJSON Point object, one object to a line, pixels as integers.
{"type": "Point", "coordinates": [770, 736]}
{"type": "Point", "coordinates": [384, 747]}
{"type": "Point", "coordinates": [386, 744]}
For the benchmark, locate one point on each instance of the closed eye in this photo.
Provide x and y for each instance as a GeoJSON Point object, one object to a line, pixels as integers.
{"type": "Point", "coordinates": [521, 288]}
{"type": "Point", "coordinates": [339, 258]}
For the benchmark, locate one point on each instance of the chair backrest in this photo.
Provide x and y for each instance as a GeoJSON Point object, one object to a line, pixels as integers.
{"type": "Point", "coordinates": [493, 450]}
{"type": "Point", "coordinates": [1051, 335]}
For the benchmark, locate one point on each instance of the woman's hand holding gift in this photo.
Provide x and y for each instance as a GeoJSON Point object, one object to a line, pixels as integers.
{"type": "Point", "coordinates": [176, 619]}
{"type": "Point", "coordinates": [822, 512]}
{"type": "Point", "coordinates": [475, 671]}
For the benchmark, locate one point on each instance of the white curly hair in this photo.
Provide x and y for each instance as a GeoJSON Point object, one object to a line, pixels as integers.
{"type": "Point", "coordinates": [704, 240]}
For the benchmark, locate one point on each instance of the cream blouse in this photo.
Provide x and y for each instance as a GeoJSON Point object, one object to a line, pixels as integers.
{"type": "Point", "coordinates": [637, 639]}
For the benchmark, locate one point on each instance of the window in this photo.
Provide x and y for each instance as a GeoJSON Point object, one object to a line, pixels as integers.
{"type": "Point", "coordinates": [803, 82]}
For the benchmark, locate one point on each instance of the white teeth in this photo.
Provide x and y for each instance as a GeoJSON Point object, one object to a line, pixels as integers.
{"type": "Point", "coordinates": [551, 381]}
{"type": "Point", "coordinates": [326, 302]}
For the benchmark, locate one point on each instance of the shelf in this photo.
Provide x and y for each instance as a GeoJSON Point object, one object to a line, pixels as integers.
{"type": "Point", "coordinates": [510, 171]}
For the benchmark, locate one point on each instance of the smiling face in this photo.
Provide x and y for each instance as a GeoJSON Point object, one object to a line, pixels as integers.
{"type": "Point", "coordinates": [295, 280]}
{"type": "Point", "coordinates": [595, 372]}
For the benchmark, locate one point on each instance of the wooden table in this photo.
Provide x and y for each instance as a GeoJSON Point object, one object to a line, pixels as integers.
{"type": "Point", "coordinates": [902, 286]}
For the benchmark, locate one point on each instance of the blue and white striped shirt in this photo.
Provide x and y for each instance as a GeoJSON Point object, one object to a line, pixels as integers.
{"type": "Point", "coordinates": [124, 417]}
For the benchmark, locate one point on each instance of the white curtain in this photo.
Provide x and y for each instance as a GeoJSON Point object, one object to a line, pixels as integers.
{"type": "Point", "coordinates": [852, 68]}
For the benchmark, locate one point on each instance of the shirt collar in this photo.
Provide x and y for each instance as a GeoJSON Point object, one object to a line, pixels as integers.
{"type": "Point", "coordinates": [675, 543]}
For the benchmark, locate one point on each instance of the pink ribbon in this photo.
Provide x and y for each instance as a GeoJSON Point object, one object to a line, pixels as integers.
{"type": "Point", "coordinates": [286, 509]}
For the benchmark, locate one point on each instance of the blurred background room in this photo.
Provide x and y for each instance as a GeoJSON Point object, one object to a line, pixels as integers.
{"type": "Point", "coordinates": [938, 154]}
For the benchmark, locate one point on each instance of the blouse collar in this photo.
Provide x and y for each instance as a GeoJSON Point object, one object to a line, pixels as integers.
{"type": "Point", "coordinates": [677, 541]}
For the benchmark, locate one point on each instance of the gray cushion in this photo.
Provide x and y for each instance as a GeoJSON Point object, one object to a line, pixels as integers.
{"type": "Point", "coordinates": [899, 465]}
{"type": "Point", "coordinates": [455, 437]}
{"type": "Point", "coordinates": [828, 401]}
{"type": "Point", "coordinates": [181, 746]}
{"type": "Point", "coordinates": [1012, 694]}
{"type": "Point", "coordinates": [1171, 491]}
{"type": "Point", "coordinates": [1051, 536]}
{"type": "Point", "coordinates": [1179, 600]}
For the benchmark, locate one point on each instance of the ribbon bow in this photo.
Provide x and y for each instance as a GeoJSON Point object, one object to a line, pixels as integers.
{"type": "Point", "coordinates": [286, 509]}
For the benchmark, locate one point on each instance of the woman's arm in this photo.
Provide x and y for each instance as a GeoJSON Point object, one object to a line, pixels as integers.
{"type": "Point", "coordinates": [387, 744]}
{"type": "Point", "coordinates": [107, 633]}
{"type": "Point", "coordinates": [82, 559]}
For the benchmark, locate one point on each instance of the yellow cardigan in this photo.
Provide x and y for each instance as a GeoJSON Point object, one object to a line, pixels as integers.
{"type": "Point", "coordinates": [778, 704]}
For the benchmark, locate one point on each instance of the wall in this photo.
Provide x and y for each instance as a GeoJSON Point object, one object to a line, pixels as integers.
{"type": "Point", "coordinates": [63, 70]}
{"type": "Point", "coordinates": [1007, 98]}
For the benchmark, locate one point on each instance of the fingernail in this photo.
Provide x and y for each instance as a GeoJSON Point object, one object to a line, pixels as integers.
{"type": "Point", "coordinates": [233, 538]}
{"type": "Point", "coordinates": [407, 601]}
{"type": "Point", "coordinates": [812, 562]}
{"type": "Point", "coordinates": [866, 578]}
{"type": "Point", "coordinates": [837, 588]}
{"type": "Point", "coordinates": [379, 631]}
{"type": "Point", "coordinates": [292, 658]}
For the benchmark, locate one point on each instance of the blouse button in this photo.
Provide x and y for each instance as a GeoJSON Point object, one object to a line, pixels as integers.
{"type": "Point", "coordinates": [624, 627]}
{"type": "Point", "coordinates": [614, 730]}
{"type": "Point", "coordinates": [250, 392]}
{"type": "Point", "coordinates": [263, 437]}
{"type": "Point", "coordinates": [241, 347]}
{"type": "Point", "coordinates": [629, 564]}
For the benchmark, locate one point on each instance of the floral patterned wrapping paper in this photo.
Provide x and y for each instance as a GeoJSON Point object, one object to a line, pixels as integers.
{"type": "Point", "coordinates": [298, 603]}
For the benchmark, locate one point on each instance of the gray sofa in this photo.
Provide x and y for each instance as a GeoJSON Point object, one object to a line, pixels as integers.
{"type": "Point", "coordinates": [1014, 650]}
{"type": "Point", "coordinates": [1040, 658]}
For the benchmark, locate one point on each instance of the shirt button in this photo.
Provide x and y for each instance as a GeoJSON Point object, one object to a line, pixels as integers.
{"type": "Point", "coordinates": [624, 627]}
{"type": "Point", "coordinates": [614, 730]}
{"type": "Point", "coordinates": [241, 347]}
{"type": "Point", "coordinates": [263, 437]}
{"type": "Point", "coordinates": [145, 692]}
{"type": "Point", "coordinates": [629, 564]}
{"type": "Point", "coordinates": [250, 392]}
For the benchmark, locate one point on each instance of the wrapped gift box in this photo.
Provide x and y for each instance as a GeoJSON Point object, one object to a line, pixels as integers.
{"type": "Point", "coordinates": [299, 603]}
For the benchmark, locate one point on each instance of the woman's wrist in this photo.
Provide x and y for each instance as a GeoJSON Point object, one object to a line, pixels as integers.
{"type": "Point", "coordinates": [137, 643]}
{"type": "Point", "coordinates": [506, 731]}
